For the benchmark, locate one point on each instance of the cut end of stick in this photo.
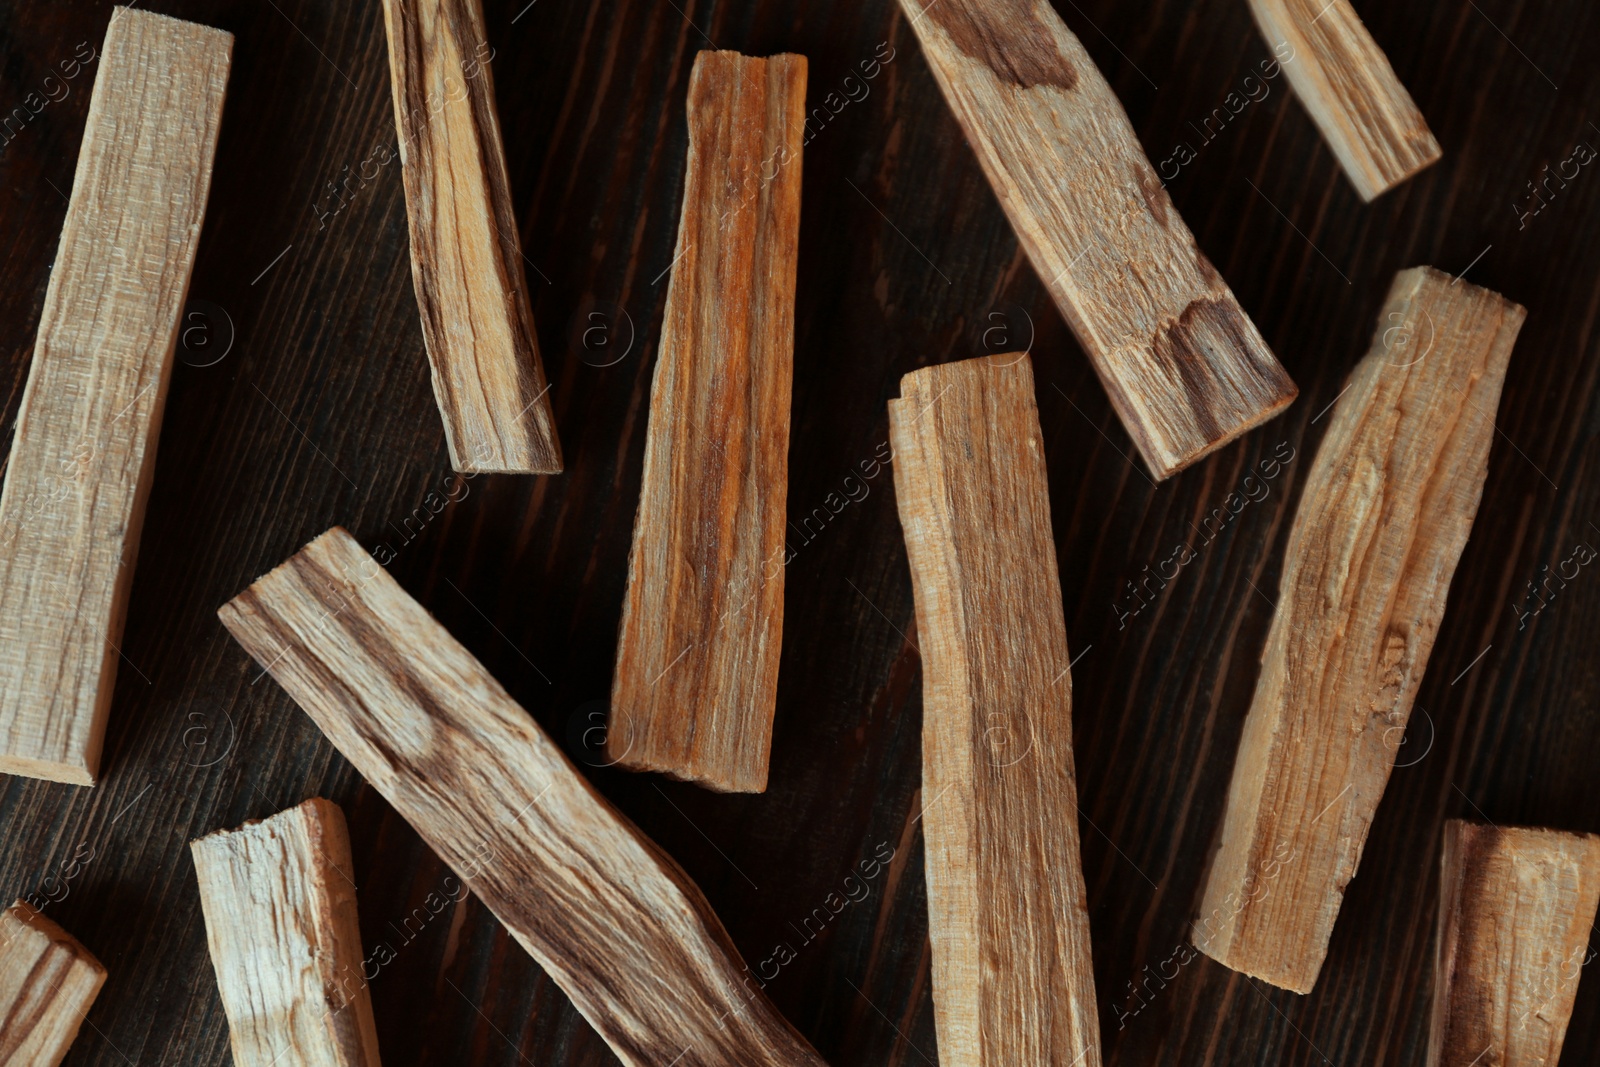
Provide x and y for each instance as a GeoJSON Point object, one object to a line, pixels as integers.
{"type": "Point", "coordinates": [85, 773]}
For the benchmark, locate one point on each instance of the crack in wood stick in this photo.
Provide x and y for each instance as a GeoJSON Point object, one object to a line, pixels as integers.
{"type": "Point", "coordinates": [613, 920]}
{"type": "Point", "coordinates": [466, 257]}
{"type": "Point", "coordinates": [1516, 906]}
{"type": "Point", "coordinates": [85, 447]}
{"type": "Point", "coordinates": [47, 984]}
{"type": "Point", "coordinates": [1385, 514]}
{"type": "Point", "coordinates": [702, 626]}
{"type": "Point", "coordinates": [280, 912]}
{"type": "Point", "coordinates": [1184, 366]}
{"type": "Point", "coordinates": [1345, 82]}
{"type": "Point", "coordinates": [1013, 983]}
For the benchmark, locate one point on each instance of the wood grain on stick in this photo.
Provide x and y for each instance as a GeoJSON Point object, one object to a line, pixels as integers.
{"type": "Point", "coordinates": [47, 983]}
{"type": "Point", "coordinates": [1013, 984]}
{"type": "Point", "coordinates": [1516, 907]}
{"type": "Point", "coordinates": [1185, 367]}
{"type": "Point", "coordinates": [697, 662]}
{"type": "Point", "coordinates": [608, 915]}
{"type": "Point", "coordinates": [466, 257]}
{"type": "Point", "coordinates": [280, 911]}
{"type": "Point", "coordinates": [85, 448]}
{"type": "Point", "coordinates": [1345, 81]}
{"type": "Point", "coordinates": [1386, 511]}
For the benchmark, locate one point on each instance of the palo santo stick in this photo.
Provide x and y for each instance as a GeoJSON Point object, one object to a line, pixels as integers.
{"type": "Point", "coordinates": [85, 446]}
{"type": "Point", "coordinates": [1185, 367]}
{"type": "Point", "coordinates": [280, 912]}
{"type": "Point", "coordinates": [1515, 910]}
{"type": "Point", "coordinates": [1346, 83]}
{"type": "Point", "coordinates": [702, 626]}
{"type": "Point", "coordinates": [1386, 512]}
{"type": "Point", "coordinates": [1012, 977]}
{"type": "Point", "coordinates": [47, 983]}
{"type": "Point", "coordinates": [466, 258]}
{"type": "Point", "coordinates": [607, 914]}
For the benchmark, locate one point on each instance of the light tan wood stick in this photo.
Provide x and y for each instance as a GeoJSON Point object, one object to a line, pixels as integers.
{"type": "Point", "coordinates": [1185, 367]}
{"type": "Point", "coordinates": [47, 983]}
{"type": "Point", "coordinates": [1012, 979]}
{"type": "Point", "coordinates": [1515, 910]}
{"type": "Point", "coordinates": [702, 625]}
{"type": "Point", "coordinates": [85, 446]}
{"type": "Point", "coordinates": [466, 257]}
{"type": "Point", "coordinates": [612, 919]}
{"type": "Point", "coordinates": [1346, 83]}
{"type": "Point", "coordinates": [280, 910]}
{"type": "Point", "coordinates": [1387, 508]}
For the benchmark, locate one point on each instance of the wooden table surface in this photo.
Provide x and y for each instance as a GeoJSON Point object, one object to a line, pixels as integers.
{"type": "Point", "coordinates": [319, 411]}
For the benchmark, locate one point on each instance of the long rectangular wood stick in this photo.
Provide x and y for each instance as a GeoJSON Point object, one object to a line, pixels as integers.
{"type": "Point", "coordinates": [47, 983]}
{"type": "Point", "coordinates": [1185, 367]}
{"type": "Point", "coordinates": [697, 662]}
{"type": "Point", "coordinates": [85, 446]}
{"type": "Point", "coordinates": [280, 911]}
{"type": "Point", "coordinates": [466, 257]}
{"type": "Point", "coordinates": [609, 916]}
{"type": "Point", "coordinates": [1013, 983]}
{"type": "Point", "coordinates": [1387, 508]}
{"type": "Point", "coordinates": [1346, 83]}
{"type": "Point", "coordinates": [1516, 907]}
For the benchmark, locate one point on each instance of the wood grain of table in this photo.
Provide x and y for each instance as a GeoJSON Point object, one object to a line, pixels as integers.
{"type": "Point", "coordinates": [320, 412]}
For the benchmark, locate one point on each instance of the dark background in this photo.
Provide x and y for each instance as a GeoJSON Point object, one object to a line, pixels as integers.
{"type": "Point", "coordinates": [321, 413]}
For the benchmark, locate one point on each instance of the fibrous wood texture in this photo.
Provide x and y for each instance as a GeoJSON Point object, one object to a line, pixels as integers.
{"type": "Point", "coordinates": [466, 257]}
{"type": "Point", "coordinates": [1185, 367]}
{"type": "Point", "coordinates": [1346, 83]}
{"type": "Point", "coordinates": [85, 446]}
{"type": "Point", "coordinates": [1013, 984]}
{"type": "Point", "coordinates": [702, 626]}
{"type": "Point", "coordinates": [1516, 907]}
{"type": "Point", "coordinates": [47, 983]}
{"type": "Point", "coordinates": [609, 916]}
{"type": "Point", "coordinates": [1385, 514]}
{"type": "Point", "coordinates": [280, 910]}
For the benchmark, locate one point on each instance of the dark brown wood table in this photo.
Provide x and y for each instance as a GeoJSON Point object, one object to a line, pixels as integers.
{"type": "Point", "coordinates": [303, 400]}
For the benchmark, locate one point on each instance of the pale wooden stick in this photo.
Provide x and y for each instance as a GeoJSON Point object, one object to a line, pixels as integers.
{"type": "Point", "coordinates": [47, 983]}
{"type": "Point", "coordinates": [1515, 910]}
{"type": "Point", "coordinates": [1387, 508]}
{"type": "Point", "coordinates": [702, 625]}
{"type": "Point", "coordinates": [608, 915]}
{"type": "Point", "coordinates": [280, 911]}
{"type": "Point", "coordinates": [1012, 978]}
{"type": "Point", "coordinates": [466, 258]}
{"type": "Point", "coordinates": [1185, 367]}
{"type": "Point", "coordinates": [85, 446]}
{"type": "Point", "coordinates": [1346, 83]}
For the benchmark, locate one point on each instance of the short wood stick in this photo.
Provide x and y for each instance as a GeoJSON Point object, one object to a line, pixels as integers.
{"type": "Point", "coordinates": [466, 256]}
{"type": "Point", "coordinates": [280, 907]}
{"type": "Point", "coordinates": [1516, 907]}
{"type": "Point", "coordinates": [1386, 511]}
{"type": "Point", "coordinates": [1184, 366]}
{"type": "Point", "coordinates": [1345, 82]}
{"type": "Point", "coordinates": [609, 916]}
{"type": "Point", "coordinates": [702, 625]}
{"type": "Point", "coordinates": [85, 448]}
{"type": "Point", "coordinates": [1012, 978]}
{"type": "Point", "coordinates": [47, 983]}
